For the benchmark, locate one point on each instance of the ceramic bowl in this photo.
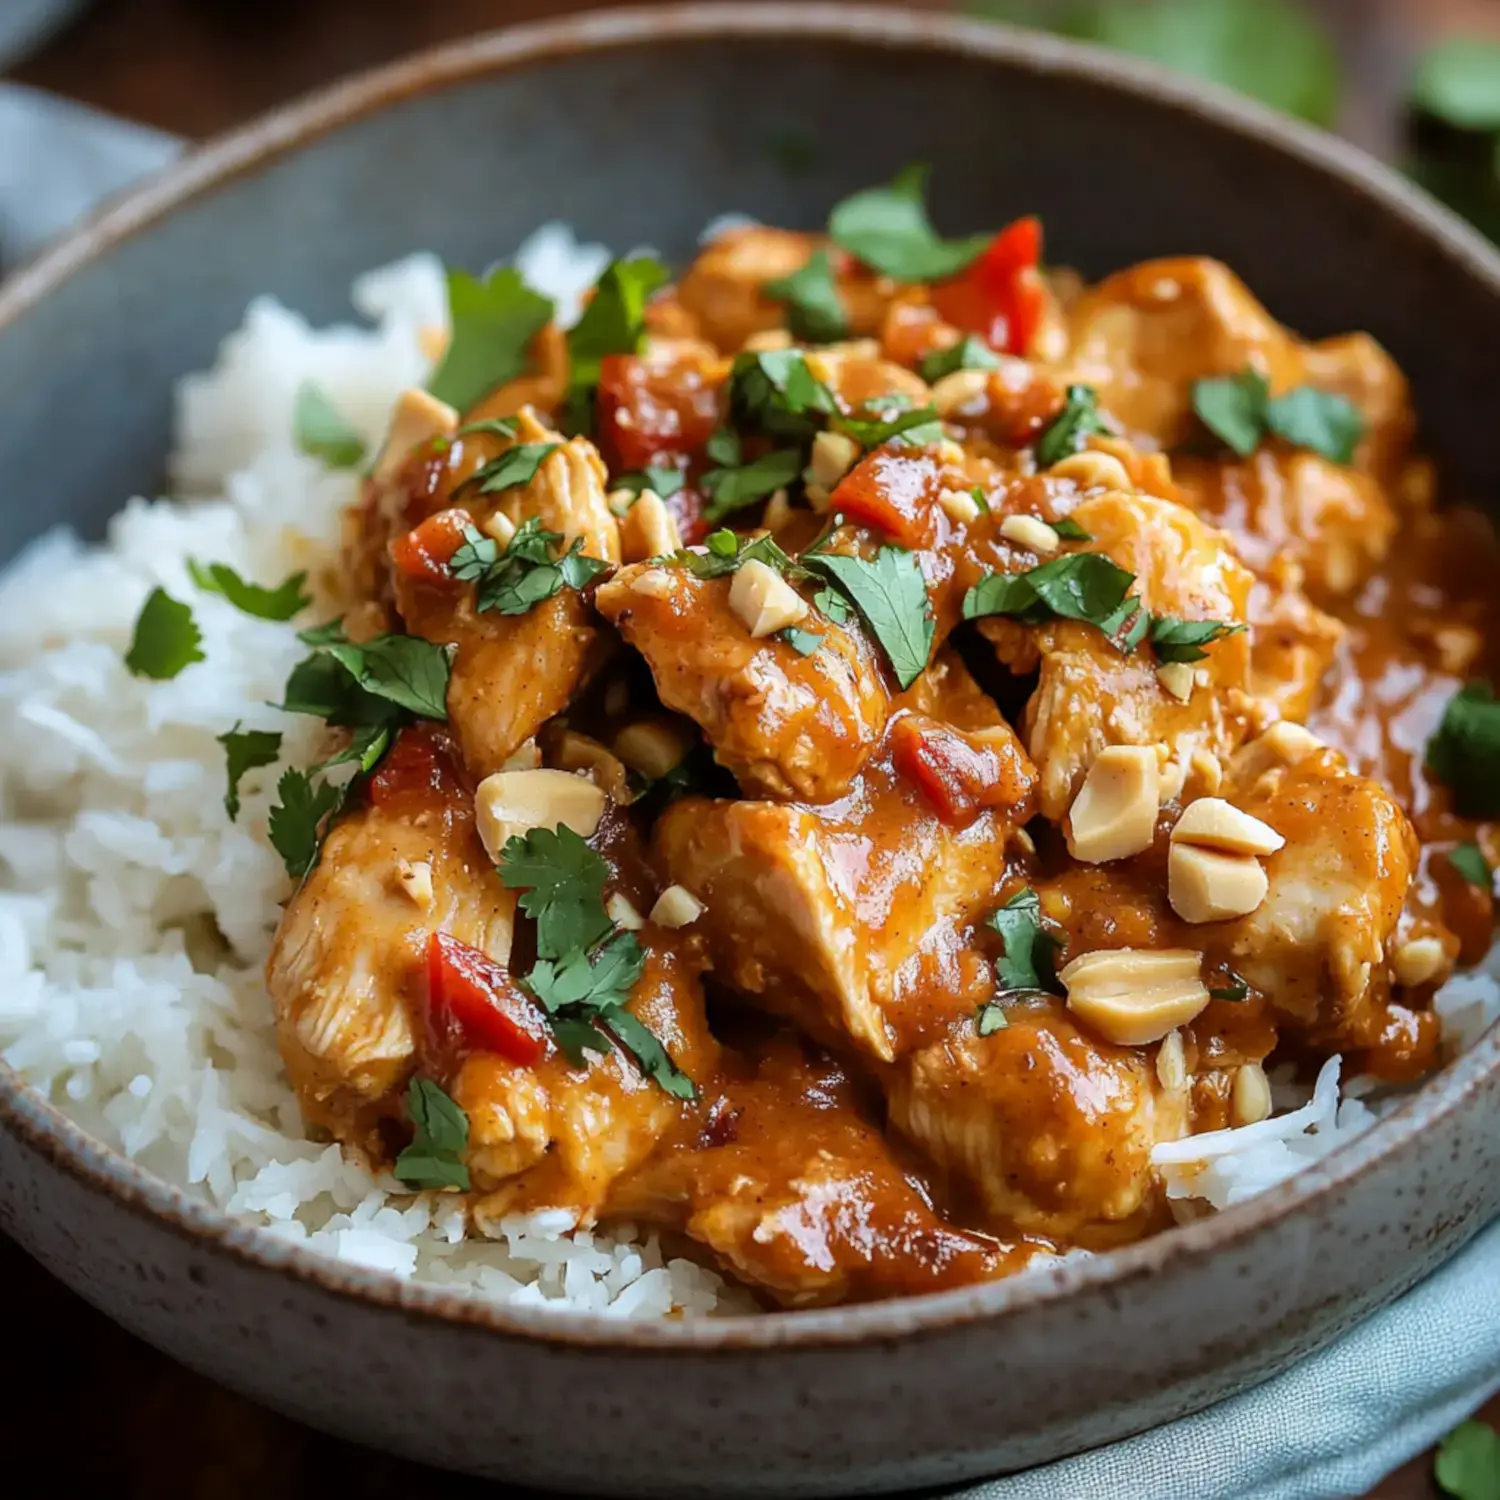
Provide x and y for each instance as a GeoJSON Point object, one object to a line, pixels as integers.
{"type": "Point", "coordinates": [637, 128]}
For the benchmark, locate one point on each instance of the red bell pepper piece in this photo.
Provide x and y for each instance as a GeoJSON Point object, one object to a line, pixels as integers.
{"type": "Point", "coordinates": [651, 411]}
{"type": "Point", "coordinates": [893, 492]}
{"type": "Point", "coordinates": [425, 552]}
{"type": "Point", "coordinates": [418, 762]}
{"type": "Point", "coordinates": [955, 776]}
{"type": "Point", "coordinates": [1000, 296]}
{"type": "Point", "coordinates": [468, 991]}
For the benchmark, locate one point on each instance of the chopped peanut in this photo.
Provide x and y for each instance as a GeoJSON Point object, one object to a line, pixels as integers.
{"type": "Point", "coordinates": [1205, 885]}
{"type": "Point", "coordinates": [1250, 1096]}
{"type": "Point", "coordinates": [1176, 678]}
{"type": "Point", "coordinates": [511, 803]}
{"type": "Point", "coordinates": [417, 418]}
{"type": "Point", "coordinates": [1213, 823]}
{"type": "Point", "coordinates": [676, 907]}
{"type": "Point", "coordinates": [652, 746]}
{"type": "Point", "coordinates": [833, 455]}
{"type": "Point", "coordinates": [1114, 813]}
{"type": "Point", "coordinates": [415, 878]}
{"type": "Point", "coordinates": [1132, 996]}
{"type": "Point", "coordinates": [1030, 531]}
{"type": "Point", "coordinates": [763, 601]}
{"type": "Point", "coordinates": [648, 529]}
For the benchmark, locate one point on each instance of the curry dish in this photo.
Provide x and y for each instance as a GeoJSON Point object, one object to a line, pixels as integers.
{"type": "Point", "coordinates": [884, 736]}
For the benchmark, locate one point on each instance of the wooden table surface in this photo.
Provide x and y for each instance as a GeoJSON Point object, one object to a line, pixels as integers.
{"type": "Point", "coordinates": [152, 1429]}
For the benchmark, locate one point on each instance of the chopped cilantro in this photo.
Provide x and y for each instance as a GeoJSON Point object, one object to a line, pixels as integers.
{"type": "Point", "coordinates": [969, 353]}
{"type": "Point", "coordinates": [1240, 411]}
{"type": "Point", "coordinates": [166, 638]}
{"type": "Point", "coordinates": [890, 593]}
{"type": "Point", "coordinates": [728, 552]}
{"type": "Point", "coordinates": [1458, 82]}
{"type": "Point", "coordinates": [1029, 959]}
{"type": "Point", "coordinates": [298, 821]}
{"type": "Point", "coordinates": [493, 323]}
{"type": "Point", "coordinates": [1069, 530]}
{"type": "Point", "coordinates": [613, 322]}
{"type": "Point", "coordinates": [1464, 753]}
{"type": "Point", "coordinates": [1468, 1462]}
{"type": "Point", "coordinates": [888, 229]}
{"type": "Point", "coordinates": [724, 448]}
{"type": "Point", "coordinates": [501, 427]}
{"type": "Point", "coordinates": [320, 431]}
{"type": "Point", "coordinates": [1065, 434]}
{"type": "Point", "coordinates": [803, 642]}
{"type": "Point", "coordinates": [814, 311]}
{"type": "Point", "coordinates": [916, 427]}
{"type": "Point", "coordinates": [401, 669]}
{"type": "Point", "coordinates": [1469, 861]}
{"type": "Point", "coordinates": [525, 572]}
{"type": "Point", "coordinates": [1084, 586]}
{"type": "Point", "coordinates": [562, 883]}
{"type": "Point", "coordinates": [280, 603]}
{"type": "Point", "coordinates": [775, 392]}
{"type": "Point", "coordinates": [440, 1133]}
{"type": "Point", "coordinates": [1235, 989]}
{"type": "Point", "coordinates": [515, 466]}
{"type": "Point", "coordinates": [730, 490]}
{"type": "Point", "coordinates": [1184, 640]}
{"type": "Point", "coordinates": [246, 750]}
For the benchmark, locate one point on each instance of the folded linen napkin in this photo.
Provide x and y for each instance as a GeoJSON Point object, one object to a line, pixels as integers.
{"type": "Point", "coordinates": [1331, 1426]}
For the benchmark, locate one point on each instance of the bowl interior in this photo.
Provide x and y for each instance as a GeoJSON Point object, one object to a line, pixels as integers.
{"type": "Point", "coordinates": [641, 143]}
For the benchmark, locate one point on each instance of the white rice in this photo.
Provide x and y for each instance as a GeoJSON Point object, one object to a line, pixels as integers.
{"type": "Point", "coordinates": [118, 862]}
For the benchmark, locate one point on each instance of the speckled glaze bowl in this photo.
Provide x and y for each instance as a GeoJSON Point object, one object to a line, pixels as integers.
{"type": "Point", "coordinates": [637, 127]}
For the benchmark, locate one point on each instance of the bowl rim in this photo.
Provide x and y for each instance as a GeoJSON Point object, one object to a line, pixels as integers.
{"type": "Point", "coordinates": [42, 1127]}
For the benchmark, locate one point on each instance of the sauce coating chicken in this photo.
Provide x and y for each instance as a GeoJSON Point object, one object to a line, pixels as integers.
{"type": "Point", "coordinates": [1026, 757]}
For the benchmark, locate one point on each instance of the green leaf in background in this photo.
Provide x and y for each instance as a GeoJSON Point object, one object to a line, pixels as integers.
{"type": "Point", "coordinates": [888, 229]}
{"type": "Point", "coordinates": [1458, 82]}
{"type": "Point", "coordinates": [494, 322]}
{"type": "Point", "coordinates": [1468, 1463]}
{"type": "Point", "coordinates": [166, 638]}
{"type": "Point", "coordinates": [1272, 50]}
{"type": "Point", "coordinates": [815, 313]}
{"type": "Point", "coordinates": [320, 430]}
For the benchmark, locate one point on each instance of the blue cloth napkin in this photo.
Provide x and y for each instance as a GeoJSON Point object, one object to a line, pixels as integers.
{"type": "Point", "coordinates": [1331, 1426]}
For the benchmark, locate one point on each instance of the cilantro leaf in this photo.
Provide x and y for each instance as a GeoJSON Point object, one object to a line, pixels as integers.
{"type": "Point", "coordinates": [320, 431]}
{"type": "Point", "coordinates": [1468, 1462]}
{"type": "Point", "coordinates": [917, 427]}
{"type": "Point", "coordinates": [440, 1134]}
{"type": "Point", "coordinates": [815, 312]}
{"type": "Point", "coordinates": [1239, 410]}
{"type": "Point", "coordinates": [525, 573]}
{"type": "Point", "coordinates": [970, 353]}
{"type": "Point", "coordinates": [1469, 861]}
{"type": "Point", "coordinates": [724, 447]}
{"type": "Point", "coordinates": [1235, 990]}
{"type": "Point", "coordinates": [728, 552]}
{"type": "Point", "coordinates": [1065, 434]}
{"type": "Point", "coordinates": [280, 603]}
{"type": "Point", "coordinates": [653, 1059]}
{"type": "Point", "coordinates": [1464, 753]}
{"type": "Point", "coordinates": [888, 229]}
{"type": "Point", "coordinates": [501, 427]}
{"type": "Point", "coordinates": [1085, 586]}
{"type": "Point", "coordinates": [323, 688]}
{"type": "Point", "coordinates": [1183, 640]}
{"type": "Point", "coordinates": [246, 750]}
{"type": "Point", "coordinates": [298, 818]}
{"type": "Point", "coordinates": [165, 640]}
{"type": "Point", "coordinates": [662, 481]}
{"type": "Point", "coordinates": [1069, 530]}
{"type": "Point", "coordinates": [614, 319]}
{"type": "Point", "coordinates": [774, 391]}
{"type": "Point", "coordinates": [835, 606]}
{"type": "Point", "coordinates": [891, 595]}
{"type": "Point", "coordinates": [1323, 422]}
{"type": "Point", "coordinates": [803, 642]}
{"type": "Point", "coordinates": [1459, 83]}
{"type": "Point", "coordinates": [1233, 408]}
{"type": "Point", "coordinates": [1029, 959]}
{"type": "Point", "coordinates": [494, 322]}
{"type": "Point", "coordinates": [403, 669]}
{"type": "Point", "coordinates": [562, 884]}
{"type": "Point", "coordinates": [516, 465]}
{"type": "Point", "coordinates": [597, 983]}
{"type": "Point", "coordinates": [730, 490]}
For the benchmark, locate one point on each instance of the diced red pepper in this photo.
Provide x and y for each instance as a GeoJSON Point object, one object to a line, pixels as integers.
{"type": "Point", "coordinates": [1000, 296]}
{"type": "Point", "coordinates": [469, 992]}
{"type": "Point", "coordinates": [653, 410]}
{"type": "Point", "coordinates": [686, 507]}
{"type": "Point", "coordinates": [957, 777]}
{"type": "Point", "coordinates": [893, 492]}
{"type": "Point", "coordinates": [425, 552]}
{"type": "Point", "coordinates": [419, 762]}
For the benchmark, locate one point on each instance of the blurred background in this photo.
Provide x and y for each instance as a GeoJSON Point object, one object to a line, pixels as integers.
{"type": "Point", "coordinates": [1415, 81]}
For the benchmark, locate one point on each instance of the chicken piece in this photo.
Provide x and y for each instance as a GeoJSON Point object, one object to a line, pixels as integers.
{"type": "Point", "coordinates": [721, 290]}
{"type": "Point", "coordinates": [856, 374]}
{"type": "Point", "coordinates": [1143, 336]}
{"type": "Point", "coordinates": [1040, 1123]}
{"type": "Point", "coordinates": [559, 1136]}
{"type": "Point", "coordinates": [787, 725]}
{"type": "Point", "coordinates": [347, 968]}
{"type": "Point", "coordinates": [823, 913]}
{"type": "Point", "coordinates": [511, 673]}
{"type": "Point", "coordinates": [1318, 944]}
{"type": "Point", "coordinates": [1279, 504]}
{"type": "Point", "coordinates": [796, 1192]}
{"type": "Point", "coordinates": [1292, 643]}
{"type": "Point", "coordinates": [1090, 695]}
